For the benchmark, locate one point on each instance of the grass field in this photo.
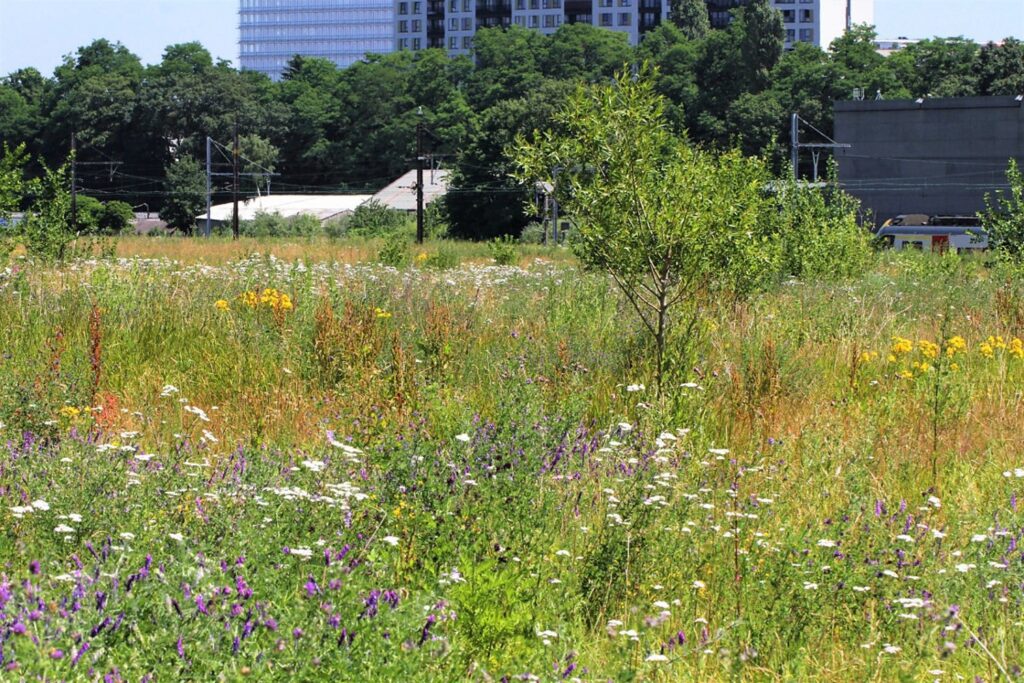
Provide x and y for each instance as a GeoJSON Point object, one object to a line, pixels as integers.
{"type": "Point", "coordinates": [283, 461]}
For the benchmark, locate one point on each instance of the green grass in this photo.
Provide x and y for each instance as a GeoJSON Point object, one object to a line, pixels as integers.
{"type": "Point", "coordinates": [798, 511]}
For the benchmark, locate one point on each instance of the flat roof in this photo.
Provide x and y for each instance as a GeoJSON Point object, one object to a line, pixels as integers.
{"type": "Point", "coordinates": [401, 194]}
{"type": "Point", "coordinates": [322, 206]}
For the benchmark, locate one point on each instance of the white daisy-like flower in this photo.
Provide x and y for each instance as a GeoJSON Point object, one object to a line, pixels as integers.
{"type": "Point", "coordinates": [391, 540]}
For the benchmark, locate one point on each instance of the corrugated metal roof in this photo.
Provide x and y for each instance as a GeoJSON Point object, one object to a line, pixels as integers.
{"type": "Point", "coordinates": [322, 206]}
{"type": "Point", "coordinates": [401, 194]}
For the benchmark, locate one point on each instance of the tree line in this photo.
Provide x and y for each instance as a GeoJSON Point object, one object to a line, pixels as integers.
{"type": "Point", "coordinates": [141, 129]}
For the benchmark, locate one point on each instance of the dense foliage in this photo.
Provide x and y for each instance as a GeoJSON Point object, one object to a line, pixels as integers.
{"type": "Point", "coordinates": [326, 129]}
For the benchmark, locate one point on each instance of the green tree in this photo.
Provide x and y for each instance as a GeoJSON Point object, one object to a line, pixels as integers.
{"type": "Point", "coordinates": [761, 35]}
{"type": "Point", "coordinates": [669, 222]}
{"type": "Point", "coordinates": [116, 218]}
{"type": "Point", "coordinates": [581, 52]}
{"type": "Point", "coordinates": [939, 67]}
{"type": "Point", "coordinates": [12, 180]}
{"type": "Point", "coordinates": [484, 201]}
{"type": "Point", "coordinates": [47, 230]}
{"type": "Point", "coordinates": [258, 156]}
{"type": "Point", "coordinates": [186, 194]}
{"type": "Point", "coordinates": [1000, 68]}
{"type": "Point", "coordinates": [1003, 217]}
{"type": "Point", "coordinates": [691, 16]}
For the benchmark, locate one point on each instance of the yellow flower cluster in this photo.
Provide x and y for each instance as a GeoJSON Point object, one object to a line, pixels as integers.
{"type": "Point", "coordinates": [868, 356]}
{"type": "Point", "coordinates": [928, 349]}
{"type": "Point", "coordinates": [70, 412]}
{"type": "Point", "coordinates": [276, 301]}
{"type": "Point", "coordinates": [955, 345]}
{"type": "Point", "coordinates": [222, 305]}
{"type": "Point", "coordinates": [381, 313]}
{"type": "Point", "coordinates": [900, 347]}
{"type": "Point", "coordinates": [1015, 347]}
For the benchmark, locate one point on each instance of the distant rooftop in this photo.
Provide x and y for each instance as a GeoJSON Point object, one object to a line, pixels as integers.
{"type": "Point", "coordinates": [401, 194]}
{"type": "Point", "coordinates": [323, 206]}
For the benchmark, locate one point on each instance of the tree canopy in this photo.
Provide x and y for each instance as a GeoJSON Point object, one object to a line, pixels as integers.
{"type": "Point", "coordinates": [322, 128]}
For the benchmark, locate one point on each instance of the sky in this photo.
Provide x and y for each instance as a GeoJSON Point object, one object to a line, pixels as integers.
{"type": "Point", "coordinates": [40, 32]}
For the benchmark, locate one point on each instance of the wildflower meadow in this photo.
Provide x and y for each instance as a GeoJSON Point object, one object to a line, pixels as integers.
{"type": "Point", "coordinates": [228, 466]}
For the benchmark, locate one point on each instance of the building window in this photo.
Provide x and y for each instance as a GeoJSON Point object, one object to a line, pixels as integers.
{"type": "Point", "coordinates": [552, 4]}
{"type": "Point", "coordinates": [467, 42]}
{"type": "Point", "coordinates": [625, 19]}
{"type": "Point", "coordinates": [534, 4]}
{"type": "Point", "coordinates": [453, 6]}
{"type": "Point", "coordinates": [453, 43]}
{"type": "Point", "coordinates": [417, 25]}
{"type": "Point", "coordinates": [790, 35]}
{"type": "Point", "coordinates": [807, 35]}
{"type": "Point", "coordinates": [520, 21]}
{"type": "Point", "coordinates": [467, 23]}
{"type": "Point", "coordinates": [416, 43]}
{"type": "Point", "coordinates": [625, 3]}
{"type": "Point", "coordinates": [534, 21]}
{"type": "Point", "coordinates": [788, 16]}
{"type": "Point", "coordinates": [417, 7]}
{"type": "Point", "coordinates": [403, 44]}
{"type": "Point", "coordinates": [549, 20]}
{"type": "Point", "coordinates": [403, 8]}
{"type": "Point", "coordinates": [806, 16]}
{"type": "Point", "coordinates": [403, 26]}
{"type": "Point", "coordinates": [520, 4]}
{"type": "Point", "coordinates": [605, 18]}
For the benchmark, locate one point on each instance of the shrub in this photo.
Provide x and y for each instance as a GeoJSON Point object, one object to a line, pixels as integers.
{"type": "Point", "coordinates": [275, 225]}
{"type": "Point", "coordinates": [373, 219]}
{"type": "Point", "coordinates": [444, 258]}
{"type": "Point", "coordinates": [395, 251]}
{"type": "Point", "coordinates": [116, 217]}
{"type": "Point", "coordinates": [504, 250]}
{"type": "Point", "coordinates": [533, 233]}
{"type": "Point", "coordinates": [1003, 217]}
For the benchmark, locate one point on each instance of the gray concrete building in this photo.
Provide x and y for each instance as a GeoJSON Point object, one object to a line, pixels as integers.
{"type": "Point", "coordinates": [930, 156]}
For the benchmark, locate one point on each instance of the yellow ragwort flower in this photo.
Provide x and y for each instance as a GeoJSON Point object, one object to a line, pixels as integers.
{"type": "Point", "coordinates": [928, 349]}
{"type": "Point", "coordinates": [222, 305]}
{"type": "Point", "coordinates": [901, 346]}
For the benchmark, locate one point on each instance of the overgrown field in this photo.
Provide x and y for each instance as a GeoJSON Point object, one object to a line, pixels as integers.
{"type": "Point", "coordinates": [327, 469]}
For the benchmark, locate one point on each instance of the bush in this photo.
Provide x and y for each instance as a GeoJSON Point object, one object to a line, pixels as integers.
{"type": "Point", "coordinates": [1003, 218]}
{"type": "Point", "coordinates": [275, 225]}
{"type": "Point", "coordinates": [820, 234]}
{"type": "Point", "coordinates": [444, 258]}
{"type": "Point", "coordinates": [373, 219]}
{"type": "Point", "coordinates": [533, 233]}
{"type": "Point", "coordinates": [115, 218]}
{"type": "Point", "coordinates": [395, 251]}
{"type": "Point", "coordinates": [504, 250]}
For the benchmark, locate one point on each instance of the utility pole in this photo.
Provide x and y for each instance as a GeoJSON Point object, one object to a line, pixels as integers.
{"type": "Point", "coordinates": [74, 184]}
{"type": "Point", "coordinates": [419, 176]}
{"type": "Point", "coordinates": [209, 169]}
{"type": "Point", "coordinates": [794, 137]}
{"type": "Point", "coordinates": [554, 204]}
{"type": "Point", "coordinates": [234, 168]}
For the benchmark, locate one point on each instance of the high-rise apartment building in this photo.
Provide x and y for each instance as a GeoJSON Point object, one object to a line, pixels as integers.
{"type": "Point", "coordinates": [271, 32]}
{"type": "Point", "coordinates": [451, 24]}
{"type": "Point", "coordinates": [344, 31]}
{"type": "Point", "coordinates": [818, 22]}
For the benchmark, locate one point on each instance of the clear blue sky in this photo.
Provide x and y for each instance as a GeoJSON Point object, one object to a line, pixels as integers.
{"type": "Point", "coordinates": [40, 32]}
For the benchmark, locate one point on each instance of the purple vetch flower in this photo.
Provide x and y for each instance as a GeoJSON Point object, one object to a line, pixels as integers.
{"type": "Point", "coordinates": [19, 628]}
{"type": "Point", "coordinates": [296, 633]}
{"type": "Point", "coordinates": [181, 648]}
{"type": "Point", "coordinates": [271, 624]}
{"type": "Point", "coordinates": [78, 655]}
{"type": "Point", "coordinates": [56, 654]}
{"type": "Point", "coordinates": [311, 587]}
{"type": "Point", "coordinates": [33, 567]}
{"type": "Point", "coordinates": [1013, 502]}
{"type": "Point", "coordinates": [201, 604]}
{"type": "Point", "coordinates": [425, 633]}
{"type": "Point", "coordinates": [99, 627]}
{"type": "Point", "coordinates": [235, 644]}
{"type": "Point", "coordinates": [878, 508]}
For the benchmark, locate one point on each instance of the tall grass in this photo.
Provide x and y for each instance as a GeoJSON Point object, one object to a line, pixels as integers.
{"type": "Point", "coordinates": [461, 473]}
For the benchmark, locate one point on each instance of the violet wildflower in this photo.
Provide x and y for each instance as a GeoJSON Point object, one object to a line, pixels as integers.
{"type": "Point", "coordinates": [181, 648]}
{"type": "Point", "coordinates": [33, 566]}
